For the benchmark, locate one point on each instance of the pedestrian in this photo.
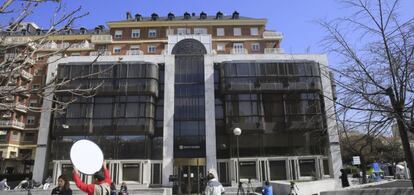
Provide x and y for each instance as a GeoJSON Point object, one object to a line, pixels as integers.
{"type": "Point", "coordinates": [267, 189]}
{"type": "Point", "coordinates": [213, 186]}
{"type": "Point", "coordinates": [113, 189]}
{"type": "Point", "coordinates": [63, 186]}
{"type": "Point", "coordinates": [3, 184]}
{"type": "Point", "coordinates": [344, 179]}
{"type": "Point", "coordinates": [124, 189]}
{"type": "Point", "coordinates": [101, 185]}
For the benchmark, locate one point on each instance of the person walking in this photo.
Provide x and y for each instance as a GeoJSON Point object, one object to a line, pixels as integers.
{"type": "Point", "coordinates": [124, 189]}
{"type": "Point", "coordinates": [63, 186]}
{"type": "Point", "coordinates": [267, 189]}
{"type": "Point", "coordinates": [344, 178]}
{"type": "Point", "coordinates": [213, 186]}
{"type": "Point", "coordinates": [101, 185]}
{"type": "Point", "coordinates": [3, 185]}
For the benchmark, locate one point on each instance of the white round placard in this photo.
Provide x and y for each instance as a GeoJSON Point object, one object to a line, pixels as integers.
{"type": "Point", "coordinates": [86, 156]}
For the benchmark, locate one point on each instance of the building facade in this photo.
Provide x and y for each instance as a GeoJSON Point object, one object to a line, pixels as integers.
{"type": "Point", "coordinates": [172, 89]}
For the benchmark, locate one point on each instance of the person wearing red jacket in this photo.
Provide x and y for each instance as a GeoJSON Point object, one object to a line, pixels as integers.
{"type": "Point", "coordinates": [100, 179]}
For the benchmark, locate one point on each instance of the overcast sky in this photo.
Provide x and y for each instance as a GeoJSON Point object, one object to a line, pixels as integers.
{"type": "Point", "coordinates": [296, 19]}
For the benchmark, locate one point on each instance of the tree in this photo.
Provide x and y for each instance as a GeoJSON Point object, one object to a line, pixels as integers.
{"type": "Point", "coordinates": [377, 69]}
{"type": "Point", "coordinates": [360, 138]}
{"type": "Point", "coordinates": [21, 44]}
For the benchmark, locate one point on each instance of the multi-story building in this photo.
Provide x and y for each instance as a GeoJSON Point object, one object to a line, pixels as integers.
{"type": "Point", "coordinates": [18, 122]}
{"type": "Point", "coordinates": [173, 89]}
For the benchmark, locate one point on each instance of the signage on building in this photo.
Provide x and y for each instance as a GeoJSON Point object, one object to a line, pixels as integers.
{"type": "Point", "coordinates": [182, 147]}
{"type": "Point", "coordinates": [356, 160]}
{"type": "Point", "coordinates": [3, 132]}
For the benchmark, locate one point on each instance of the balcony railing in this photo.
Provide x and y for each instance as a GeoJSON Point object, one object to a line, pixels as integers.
{"type": "Point", "coordinates": [11, 124]}
{"type": "Point", "coordinates": [13, 90]}
{"type": "Point", "coordinates": [14, 106]}
{"type": "Point", "coordinates": [273, 50]}
{"type": "Point", "coordinates": [102, 53]}
{"type": "Point", "coordinates": [26, 75]}
{"type": "Point", "coordinates": [238, 51]}
{"type": "Point", "coordinates": [101, 38]}
{"type": "Point", "coordinates": [272, 35]}
{"type": "Point", "coordinates": [67, 46]}
{"type": "Point", "coordinates": [16, 57]}
{"type": "Point", "coordinates": [134, 52]}
{"type": "Point", "coordinates": [17, 40]}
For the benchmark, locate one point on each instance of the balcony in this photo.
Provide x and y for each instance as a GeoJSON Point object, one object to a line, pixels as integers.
{"type": "Point", "coordinates": [26, 75]}
{"type": "Point", "coordinates": [14, 90]}
{"type": "Point", "coordinates": [7, 115]}
{"type": "Point", "coordinates": [14, 106]}
{"type": "Point", "coordinates": [11, 124]}
{"type": "Point", "coordinates": [273, 51]}
{"type": "Point", "coordinates": [272, 35]}
{"type": "Point", "coordinates": [134, 52]}
{"type": "Point", "coordinates": [102, 53]}
{"type": "Point", "coordinates": [20, 40]}
{"type": "Point", "coordinates": [18, 58]}
{"type": "Point", "coordinates": [53, 46]}
{"type": "Point", "coordinates": [101, 39]}
{"type": "Point", "coordinates": [239, 51]}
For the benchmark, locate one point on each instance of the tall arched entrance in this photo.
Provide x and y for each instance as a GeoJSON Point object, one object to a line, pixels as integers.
{"type": "Point", "coordinates": [189, 116]}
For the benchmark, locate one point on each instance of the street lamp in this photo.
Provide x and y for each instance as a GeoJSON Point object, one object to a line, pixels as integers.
{"type": "Point", "coordinates": [237, 131]}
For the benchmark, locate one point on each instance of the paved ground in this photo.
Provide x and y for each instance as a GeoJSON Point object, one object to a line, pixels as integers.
{"type": "Point", "coordinates": [394, 184]}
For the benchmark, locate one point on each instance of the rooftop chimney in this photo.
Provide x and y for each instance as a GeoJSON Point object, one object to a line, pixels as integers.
{"type": "Point", "coordinates": [203, 15]}
{"type": "Point", "coordinates": [154, 16]}
{"type": "Point", "coordinates": [171, 16]}
{"type": "Point", "coordinates": [235, 15]}
{"type": "Point", "coordinates": [187, 16]}
{"type": "Point", "coordinates": [138, 17]}
{"type": "Point", "coordinates": [219, 15]}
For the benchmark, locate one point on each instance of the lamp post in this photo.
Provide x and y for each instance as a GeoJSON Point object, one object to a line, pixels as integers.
{"type": "Point", "coordinates": [237, 131]}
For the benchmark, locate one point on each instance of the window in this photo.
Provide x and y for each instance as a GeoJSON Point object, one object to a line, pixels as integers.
{"type": "Point", "coordinates": [13, 155]}
{"type": "Point", "coordinates": [237, 31]}
{"type": "Point", "coordinates": [220, 32]}
{"type": "Point", "coordinates": [183, 31]}
{"type": "Point", "coordinates": [200, 31]}
{"type": "Point", "coordinates": [35, 86]}
{"type": "Point", "coordinates": [15, 136]}
{"type": "Point", "coordinates": [238, 46]}
{"type": "Point", "coordinates": [31, 120]}
{"type": "Point", "coordinates": [254, 31]}
{"type": "Point", "coordinates": [33, 103]}
{"type": "Point", "coordinates": [255, 47]}
{"type": "Point", "coordinates": [221, 46]}
{"type": "Point", "coordinates": [135, 33]}
{"type": "Point", "coordinates": [3, 135]}
{"type": "Point", "coordinates": [152, 33]}
{"type": "Point", "coordinates": [152, 48]}
{"type": "Point", "coordinates": [117, 50]}
{"type": "Point", "coordinates": [134, 47]}
{"type": "Point", "coordinates": [118, 34]}
{"type": "Point", "coordinates": [28, 137]}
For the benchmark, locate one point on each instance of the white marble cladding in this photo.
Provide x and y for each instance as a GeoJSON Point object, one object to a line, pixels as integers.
{"type": "Point", "coordinates": [211, 156]}
{"type": "Point", "coordinates": [174, 39]}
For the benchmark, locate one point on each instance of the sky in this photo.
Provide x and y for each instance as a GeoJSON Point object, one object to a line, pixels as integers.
{"type": "Point", "coordinates": [296, 19]}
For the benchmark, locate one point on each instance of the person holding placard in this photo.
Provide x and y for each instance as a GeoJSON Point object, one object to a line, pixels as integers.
{"type": "Point", "coordinates": [101, 185]}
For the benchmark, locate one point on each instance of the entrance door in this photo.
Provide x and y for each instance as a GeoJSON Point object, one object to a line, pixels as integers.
{"type": "Point", "coordinates": [191, 174]}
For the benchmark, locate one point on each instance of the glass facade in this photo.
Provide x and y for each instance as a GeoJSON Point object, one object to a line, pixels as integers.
{"type": "Point", "coordinates": [121, 118]}
{"type": "Point", "coordinates": [189, 100]}
{"type": "Point", "coordinates": [278, 105]}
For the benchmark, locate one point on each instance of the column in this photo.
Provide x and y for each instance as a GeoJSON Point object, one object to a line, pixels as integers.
{"type": "Point", "coordinates": [211, 161]}
{"type": "Point", "coordinates": [168, 127]}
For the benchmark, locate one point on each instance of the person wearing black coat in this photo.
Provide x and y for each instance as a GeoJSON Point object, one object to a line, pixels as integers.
{"type": "Point", "coordinates": [63, 186]}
